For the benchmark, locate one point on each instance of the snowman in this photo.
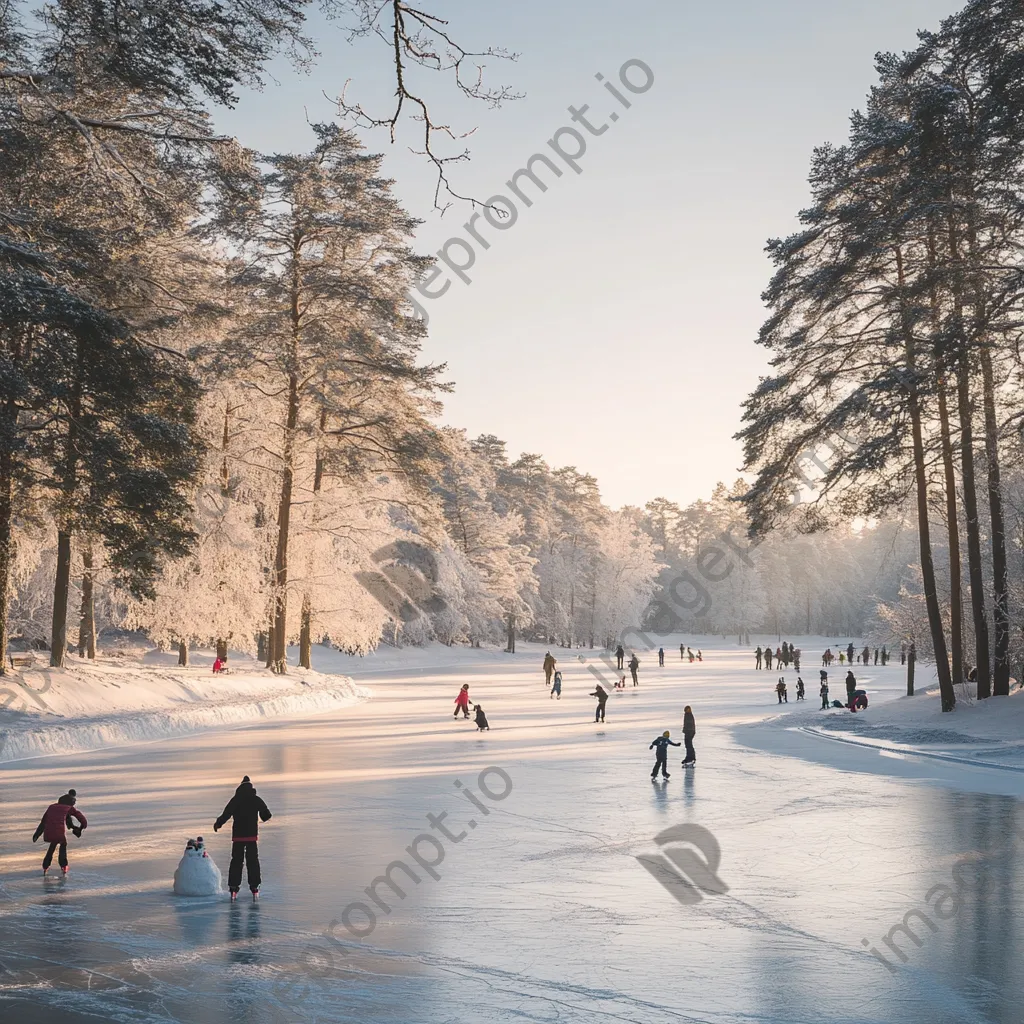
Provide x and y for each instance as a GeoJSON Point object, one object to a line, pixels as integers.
{"type": "Point", "coordinates": [197, 875]}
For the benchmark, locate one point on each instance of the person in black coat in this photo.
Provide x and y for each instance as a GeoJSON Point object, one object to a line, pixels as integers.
{"type": "Point", "coordinates": [619, 655]}
{"type": "Point", "coordinates": [689, 731]}
{"type": "Point", "coordinates": [247, 811]}
{"type": "Point", "coordinates": [851, 685]}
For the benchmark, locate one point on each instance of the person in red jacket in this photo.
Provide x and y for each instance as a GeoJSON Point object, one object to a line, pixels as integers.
{"type": "Point", "coordinates": [53, 828]}
{"type": "Point", "coordinates": [462, 702]}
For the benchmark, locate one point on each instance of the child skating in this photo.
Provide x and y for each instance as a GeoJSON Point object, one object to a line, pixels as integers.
{"type": "Point", "coordinates": [53, 828]}
{"type": "Point", "coordinates": [247, 811]}
{"type": "Point", "coordinates": [480, 718]}
{"type": "Point", "coordinates": [824, 692]}
{"type": "Point", "coordinates": [556, 688]}
{"type": "Point", "coordinates": [663, 742]}
{"type": "Point", "coordinates": [462, 702]}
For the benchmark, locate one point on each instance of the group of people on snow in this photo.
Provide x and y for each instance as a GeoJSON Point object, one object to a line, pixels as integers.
{"type": "Point", "coordinates": [881, 656]}
{"type": "Point", "coordinates": [783, 656]}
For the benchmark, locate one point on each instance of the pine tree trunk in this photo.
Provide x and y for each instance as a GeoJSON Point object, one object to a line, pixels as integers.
{"type": "Point", "coordinates": [183, 653]}
{"type": "Point", "coordinates": [6, 549]}
{"type": "Point", "coordinates": [270, 646]}
{"type": "Point", "coordinates": [956, 611]}
{"type": "Point", "coordinates": [262, 647]}
{"type": "Point", "coordinates": [61, 589]}
{"type": "Point", "coordinates": [947, 693]}
{"type": "Point", "coordinates": [510, 646]}
{"type": "Point", "coordinates": [62, 576]}
{"type": "Point", "coordinates": [279, 635]}
{"type": "Point", "coordinates": [222, 650]}
{"type": "Point", "coordinates": [87, 619]}
{"type": "Point", "coordinates": [971, 517]}
{"type": "Point", "coordinates": [1001, 614]}
{"type": "Point", "coordinates": [305, 644]}
{"type": "Point", "coordinates": [306, 629]}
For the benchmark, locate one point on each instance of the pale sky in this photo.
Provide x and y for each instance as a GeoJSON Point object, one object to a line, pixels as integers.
{"type": "Point", "coordinates": [613, 325]}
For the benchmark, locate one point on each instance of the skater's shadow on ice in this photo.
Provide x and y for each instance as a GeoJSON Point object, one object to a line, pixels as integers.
{"type": "Point", "coordinates": [243, 933]}
{"type": "Point", "coordinates": [197, 916]}
{"type": "Point", "coordinates": [688, 785]}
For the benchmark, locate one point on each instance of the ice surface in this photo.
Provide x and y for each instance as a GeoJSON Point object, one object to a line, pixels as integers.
{"type": "Point", "coordinates": [541, 912]}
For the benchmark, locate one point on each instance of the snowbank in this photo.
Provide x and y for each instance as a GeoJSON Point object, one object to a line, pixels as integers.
{"type": "Point", "coordinates": [988, 732]}
{"type": "Point", "coordinates": [125, 698]}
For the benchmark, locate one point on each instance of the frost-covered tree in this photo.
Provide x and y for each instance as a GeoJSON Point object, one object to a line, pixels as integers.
{"type": "Point", "coordinates": [324, 334]}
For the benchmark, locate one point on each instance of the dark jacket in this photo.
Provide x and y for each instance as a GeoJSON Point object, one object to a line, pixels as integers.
{"type": "Point", "coordinates": [662, 743]}
{"type": "Point", "coordinates": [689, 725]}
{"type": "Point", "coordinates": [601, 694]}
{"type": "Point", "coordinates": [247, 810]}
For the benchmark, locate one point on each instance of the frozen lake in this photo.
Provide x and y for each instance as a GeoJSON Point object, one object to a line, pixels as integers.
{"type": "Point", "coordinates": [541, 912]}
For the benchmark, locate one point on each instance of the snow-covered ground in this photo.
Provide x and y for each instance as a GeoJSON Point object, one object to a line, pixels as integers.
{"type": "Point", "coordinates": [132, 695]}
{"type": "Point", "coordinates": [541, 910]}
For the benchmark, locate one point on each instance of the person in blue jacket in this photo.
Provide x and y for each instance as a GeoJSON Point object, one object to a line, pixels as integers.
{"type": "Point", "coordinates": [661, 755]}
{"type": "Point", "coordinates": [556, 689]}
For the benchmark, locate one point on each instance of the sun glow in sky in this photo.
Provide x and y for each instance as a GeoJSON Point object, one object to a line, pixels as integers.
{"type": "Point", "coordinates": [612, 326]}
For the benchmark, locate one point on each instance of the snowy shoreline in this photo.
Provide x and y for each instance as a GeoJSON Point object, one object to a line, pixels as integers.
{"type": "Point", "coordinates": [115, 701]}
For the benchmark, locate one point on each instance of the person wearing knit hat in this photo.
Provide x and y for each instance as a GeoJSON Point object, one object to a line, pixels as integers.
{"type": "Point", "coordinates": [247, 811]}
{"type": "Point", "coordinates": [56, 820]}
{"type": "Point", "coordinates": [661, 756]}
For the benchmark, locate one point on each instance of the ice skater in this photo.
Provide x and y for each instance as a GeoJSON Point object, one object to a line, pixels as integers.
{"type": "Point", "coordinates": [757, 656]}
{"type": "Point", "coordinates": [662, 742]}
{"type": "Point", "coordinates": [851, 687]}
{"type": "Point", "coordinates": [556, 689]}
{"type": "Point", "coordinates": [634, 664]}
{"type": "Point", "coordinates": [462, 702]}
{"type": "Point", "coordinates": [824, 691]}
{"type": "Point", "coordinates": [799, 689]}
{"type": "Point", "coordinates": [247, 811]}
{"type": "Point", "coordinates": [53, 828]}
{"type": "Point", "coordinates": [780, 689]}
{"type": "Point", "coordinates": [689, 731]}
{"type": "Point", "coordinates": [602, 698]}
{"type": "Point", "coordinates": [549, 667]}
{"type": "Point", "coordinates": [480, 718]}
{"type": "Point", "coordinates": [619, 655]}
{"type": "Point", "coordinates": [661, 657]}
{"type": "Point", "coordinates": [689, 654]}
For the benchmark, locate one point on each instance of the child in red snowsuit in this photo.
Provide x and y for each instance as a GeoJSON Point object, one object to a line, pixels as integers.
{"type": "Point", "coordinates": [53, 828]}
{"type": "Point", "coordinates": [462, 702]}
